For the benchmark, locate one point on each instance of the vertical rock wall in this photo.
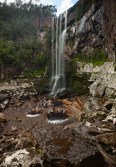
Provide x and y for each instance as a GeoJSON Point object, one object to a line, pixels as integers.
{"type": "Point", "coordinates": [109, 27]}
{"type": "Point", "coordinates": [94, 28]}
{"type": "Point", "coordinates": [86, 32]}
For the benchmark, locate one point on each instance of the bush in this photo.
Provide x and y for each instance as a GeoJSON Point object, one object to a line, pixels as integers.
{"type": "Point", "coordinates": [97, 57]}
{"type": "Point", "coordinates": [34, 72]}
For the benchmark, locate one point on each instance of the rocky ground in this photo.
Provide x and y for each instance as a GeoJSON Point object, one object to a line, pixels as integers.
{"type": "Point", "coordinates": [28, 141]}
{"type": "Point", "coordinates": [44, 131]}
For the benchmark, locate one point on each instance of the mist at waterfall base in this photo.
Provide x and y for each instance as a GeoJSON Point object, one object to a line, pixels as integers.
{"type": "Point", "coordinates": [58, 83]}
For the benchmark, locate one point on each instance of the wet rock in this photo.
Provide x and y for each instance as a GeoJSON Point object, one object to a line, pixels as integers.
{"type": "Point", "coordinates": [107, 138]}
{"type": "Point", "coordinates": [109, 106]}
{"type": "Point", "coordinates": [57, 115]}
{"type": "Point", "coordinates": [2, 117]}
{"type": "Point", "coordinates": [3, 97]}
{"type": "Point", "coordinates": [94, 131]}
{"type": "Point", "coordinates": [4, 103]}
{"type": "Point", "coordinates": [64, 94]}
{"type": "Point", "coordinates": [0, 108]}
{"type": "Point", "coordinates": [93, 161]}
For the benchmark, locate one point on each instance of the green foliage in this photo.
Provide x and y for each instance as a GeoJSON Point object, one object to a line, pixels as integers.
{"type": "Point", "coordinates": [79, 11]}
{"type": "Point", "coordinates": [40, 60]}
{"type": "Point", "coordinates": [82, 57]}
{"type": "Point", "coordinates": [25, 53]}
{"type": "Point", "coordinates": [97, 57]}
{"type": "Point", "coordinates": [71, 43]}
{"type": "Point", "coordinates": [7, 50]}
{"type": "Point", "coordinates": [34, 72]}
{"type": "Point", "coordinates": [19, 43]}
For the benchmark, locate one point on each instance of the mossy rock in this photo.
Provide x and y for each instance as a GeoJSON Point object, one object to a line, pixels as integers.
{"type": "Point", "coordinates": [42, 85]}
{"type": "Point", "coordinates": [78, 84]}
{"type": "Point", "coordinates": [101, 116]}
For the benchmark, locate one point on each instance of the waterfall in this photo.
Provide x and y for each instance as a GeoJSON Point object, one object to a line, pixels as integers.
{"type": "Point", "coordinates": [53, 70]}
{"type": "Point", "coordinates": [58, 67]}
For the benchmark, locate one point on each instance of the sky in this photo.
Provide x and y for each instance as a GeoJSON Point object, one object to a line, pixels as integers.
{"type": "Point", "coordinates": [61, 5]}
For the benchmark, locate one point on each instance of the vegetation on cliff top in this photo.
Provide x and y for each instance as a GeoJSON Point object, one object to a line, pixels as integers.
{"type": "Point", "coordinates": [20, 45]}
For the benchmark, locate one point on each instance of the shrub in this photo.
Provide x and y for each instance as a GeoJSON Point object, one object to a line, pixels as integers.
{"type": "Point", "coordinates": [97, 57]}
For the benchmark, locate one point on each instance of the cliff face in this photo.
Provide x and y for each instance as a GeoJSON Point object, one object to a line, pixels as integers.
{"type": "Point", "coordinates": [91, 24]}
{"type": "Point", "coordinates": [43, 25]}
{"type": "Point", "coordinates": [109, 27]}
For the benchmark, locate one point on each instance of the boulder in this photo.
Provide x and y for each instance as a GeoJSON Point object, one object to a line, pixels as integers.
{"type": "Point", "coordinates": [3, 97]}
{"type": "Point", "coordinates": [4, 103]}
{"type": "Point", "coordinates": [107, 138]}
{"type": "Point", "coordinates": [2, 117]}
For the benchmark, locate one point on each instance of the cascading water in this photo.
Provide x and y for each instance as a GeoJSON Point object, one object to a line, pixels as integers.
{"type": "Point", "coordinates": [58, 68]}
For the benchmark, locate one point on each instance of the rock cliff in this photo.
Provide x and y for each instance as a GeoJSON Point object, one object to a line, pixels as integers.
{"type": "Point", "coordinates": [91, 24]}
{"type": "Point", "coordinates": [109, 27]}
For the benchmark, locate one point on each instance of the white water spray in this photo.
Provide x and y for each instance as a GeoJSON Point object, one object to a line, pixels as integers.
{"type": "Point", "coordinates": [58, 68]}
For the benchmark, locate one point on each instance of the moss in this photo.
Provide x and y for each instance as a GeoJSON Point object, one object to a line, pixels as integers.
{"type": "Point", "coordinates": [95, 72]}
{"type": "Point", "coordinates": [78, 84]}
{"type": "Point", "coordinates": [115, 67]}
{"type": "Point", "coordinates": [42, 85]}
{"type": "Point", "coordinates": [101, 116]}
{"type": "Point", "coordinates": [98, 63]}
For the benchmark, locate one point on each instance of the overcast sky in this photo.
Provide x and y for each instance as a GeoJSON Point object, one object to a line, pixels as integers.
{"type": "Point", "coordinates": [61, 5]}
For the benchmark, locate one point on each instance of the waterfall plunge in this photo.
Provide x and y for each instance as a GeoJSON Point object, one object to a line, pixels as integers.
{"type": "Point", "coordinates": [58, 73]}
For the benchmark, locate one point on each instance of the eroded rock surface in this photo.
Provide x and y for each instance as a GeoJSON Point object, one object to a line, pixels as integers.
{"type": "Point", "coordinates": [35, 141]}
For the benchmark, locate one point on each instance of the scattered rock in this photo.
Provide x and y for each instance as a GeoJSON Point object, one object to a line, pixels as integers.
{"type": "Point", "coordinates": [94, 131]}
{"type": "Point", "coordinates": [3, 97]}
{"type": "Point", "coordinates": [17, 119]}
{"type": "Point", "coordinates": [4, 103]}
{"type": "Point", "coordinates": [2, 117]}
{"type": "Point", "coordinates": [107, 138]}
{"type": "Point", "coordinates": [13, 128]}
{"type": "Point", "coordinates": [19, 158]}
{"type": "Point", "coordinates": [109, 106]}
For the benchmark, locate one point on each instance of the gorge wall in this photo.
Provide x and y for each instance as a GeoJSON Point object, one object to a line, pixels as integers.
{"type": "Point", "coordinates": [92, 24]}
{"type": "Point", "coordinates": [109, 27]}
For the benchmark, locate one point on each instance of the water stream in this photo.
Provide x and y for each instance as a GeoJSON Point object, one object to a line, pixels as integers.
{"type": "Point", "coordinates": [58, 83]}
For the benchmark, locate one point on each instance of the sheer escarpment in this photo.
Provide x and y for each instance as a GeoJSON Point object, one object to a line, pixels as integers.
{"type": "Point", "coordinates": [91, 25]}
{"type": "Point", "coordinates": [109, 27]}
